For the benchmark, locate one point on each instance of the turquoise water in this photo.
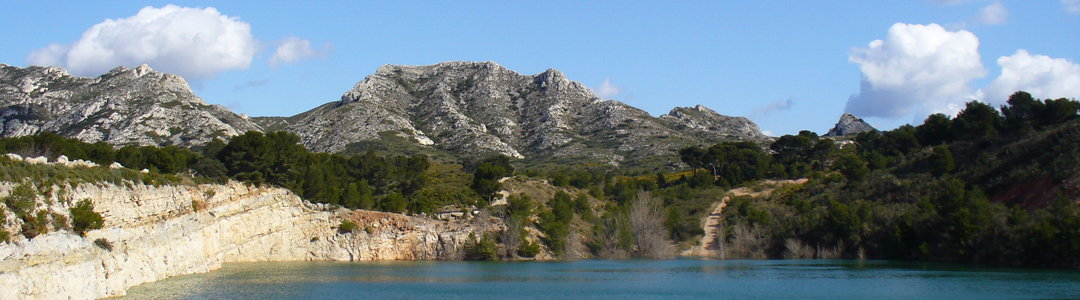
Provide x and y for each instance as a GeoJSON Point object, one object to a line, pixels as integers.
{"type": "Point", "coordinates": [598, 279]}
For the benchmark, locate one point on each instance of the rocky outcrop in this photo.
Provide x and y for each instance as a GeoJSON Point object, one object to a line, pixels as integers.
{"type": "Point", "coordinates": [471, 109]}
{"type": "Point", "coordinates": [123, 107]}
{"type": "Point", "coordinates": [710, 125]}
{"type": "Point", "coordinates": [159, 232]}
{"type": "Point", "coordinates": [849, 124]}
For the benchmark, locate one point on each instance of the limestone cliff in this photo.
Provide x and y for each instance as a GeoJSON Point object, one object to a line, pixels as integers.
{"type": "Point", "coordinates": [169, 230]}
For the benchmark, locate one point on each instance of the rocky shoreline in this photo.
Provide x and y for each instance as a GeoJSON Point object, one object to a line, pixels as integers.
{"type": "Point", "coordinates": [170, 230]}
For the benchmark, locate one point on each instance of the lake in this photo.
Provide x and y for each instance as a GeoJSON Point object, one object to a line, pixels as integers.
{"type": "Point", "coordinates": [614, 279]}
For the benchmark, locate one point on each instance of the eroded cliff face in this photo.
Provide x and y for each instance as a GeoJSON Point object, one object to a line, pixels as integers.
{"type": "Point", "coordinates": [159, 232]}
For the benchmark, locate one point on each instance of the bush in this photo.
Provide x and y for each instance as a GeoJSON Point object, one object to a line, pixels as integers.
{"type": "Point", "coordinates": [528, 249]}
{"type": "Point", "coordinates": [103, 244]}
{"type": "Point", "coordinates": [83, 217]}
{"type": "Point", "coordinates": [482, 249]}
{"type": "Point", "coordinates": [346, 226]}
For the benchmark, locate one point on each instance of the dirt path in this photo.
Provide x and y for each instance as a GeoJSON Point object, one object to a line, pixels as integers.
{"type": "Point", "coordinates": [711, 224]}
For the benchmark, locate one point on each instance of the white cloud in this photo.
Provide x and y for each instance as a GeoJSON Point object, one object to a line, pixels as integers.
{"type": "Point", "coordinates": [607, 90]}
{"type": "Point", "coordinates": [920, 69]}
{"type": "Point", "coordinates": [1071, 6]}
{"type": "Point", "coordinates": [191, 42]}
{"type": "Point", "coordinates": [767, 110]}
{"type": "Point", "coordinates": [1041, 76]}
{"type": "Point", "coordinates": [993, 14]}
{"type": "Point", "coordinates": [292, 49]}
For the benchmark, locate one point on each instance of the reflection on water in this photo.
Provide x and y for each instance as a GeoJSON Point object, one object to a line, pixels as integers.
{"type": "Point", "coordinates": [639, 279]}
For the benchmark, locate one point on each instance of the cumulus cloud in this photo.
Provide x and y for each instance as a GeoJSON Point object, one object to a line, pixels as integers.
{"type": "Point", "coordinates": [920, 69]}
{"type": "Point", "coordinates": [771, 108]}
{"type": "Point", "coordinates": [292, 49]}
{"type": "Point", "coordinates": [1071, 6]}
{"type": "Point", "coordinates": [1042, 76]}
{"type": "Point", "coordinates": [196, 43]}
{"type": "Point", "coordinates": [993, 14]}
{"type": "Point", "coordinates": [607, 90]}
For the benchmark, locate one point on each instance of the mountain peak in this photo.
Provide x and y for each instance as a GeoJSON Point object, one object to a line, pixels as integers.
{"type": "Point", "coordinates": [125, 106]}
{"type": "Point", "coordinates": [849, 124]}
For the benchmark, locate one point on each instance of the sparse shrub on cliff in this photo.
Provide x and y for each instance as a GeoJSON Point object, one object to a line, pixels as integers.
{"type": "Point", "coordinates": [83, 217]}
{"type": "Point", "coordinates": [36, 224]}
{"type": "Point", "coordinates": [5, 236]}
{"type": "Point", "coordinates": [369, 230]}
{"type": "Point", "coordinates": [482, 249]}
{"type": "Point", "coordinates": [198, 205]}
{"type": "Point", "coordinates": [103, 244]}
{"type": "Point", "coordinates": [59, 221]}
{"type": "Point", "coordinates": [21, 200]}
{"type": "Point", "coordinates": [528, 249]}
{"type": "Point", "coordinates": [347, 226]}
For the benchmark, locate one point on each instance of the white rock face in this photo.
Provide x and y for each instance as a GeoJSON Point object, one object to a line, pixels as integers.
{"type": "Point", "coordinates": [123, 107]}
{"type": "Point", "coordinates": [471, 109]}
{"type": "Point", "coordinates": [156, 232]}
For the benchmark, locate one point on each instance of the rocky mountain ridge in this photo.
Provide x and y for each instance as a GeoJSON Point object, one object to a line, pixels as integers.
{"type": "Point", "coordinates": [472, 109]}
{"type": "Point", "coordinates": [464, 110]}
{"type": "Point", "coordinates": [125, 106]}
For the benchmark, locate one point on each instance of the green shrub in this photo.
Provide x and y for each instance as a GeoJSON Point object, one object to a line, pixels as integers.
{"type": "Point", "coordinates": [346, 226]}
{"type": "Point", "coordinates": [22, 200]}
{"type": "Point", "coordinates": [103, 244]}
{"type": "Point", "coordinates": [528, 249]}
{"type": "Point", "coordinates": [83, 217]}
{"type": "Point", "coordinates": [482, 249]}
{"type": "Point", "coordinates": [60, 222]}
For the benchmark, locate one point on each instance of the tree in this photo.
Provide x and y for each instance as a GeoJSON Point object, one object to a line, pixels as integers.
{"type": "Point", "coordinates": [487, 174]}
{"type": "Point", "coordinates": [647, 224]}
{"type": "Point", "coordinates": [977, 121]}
{"type": "Point", "coordinates": [935, 130]}
{"type": "Point", "coordinates": [83, 217]}
{"type": "Point", "coordinates": [941, 161]}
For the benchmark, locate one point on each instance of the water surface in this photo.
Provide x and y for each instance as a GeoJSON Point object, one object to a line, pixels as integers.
{"type": "Point", "coordinates": [598, 279]}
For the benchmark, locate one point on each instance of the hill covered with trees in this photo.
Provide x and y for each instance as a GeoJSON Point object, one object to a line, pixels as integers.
{"type": "Point", "coordinates": [988, 186]}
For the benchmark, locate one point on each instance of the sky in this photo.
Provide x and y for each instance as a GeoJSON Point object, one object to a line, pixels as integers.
{"type": "Point", "coordinates": [786, 65]}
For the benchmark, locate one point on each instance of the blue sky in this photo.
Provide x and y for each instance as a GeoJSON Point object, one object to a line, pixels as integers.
{"type": "Point", "coordinates": [787, 65]}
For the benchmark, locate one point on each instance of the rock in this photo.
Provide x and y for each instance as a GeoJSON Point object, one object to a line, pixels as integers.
{"type": "Point", "coordinates": [14, 156]}
{"type": "Point", "coordinates": [122, 107]}
{"type": "Point", "coordinates": [63, 159]}
{"type": "Point", "coordinates": [116, 165]}
{"type": "Point", "coordinates": [848, 125]}
{"type": "Point", "coordinates": [37, 160]}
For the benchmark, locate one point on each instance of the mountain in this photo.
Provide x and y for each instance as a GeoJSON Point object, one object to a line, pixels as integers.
{"type": "Point", "coordinates": [452, 110]}
{"type": "Point", "coordinates": [849, 124]}
{"type": "Point", "coordinates": [471, 109]}
{"type": "Point", "coordinates": [122, 107]}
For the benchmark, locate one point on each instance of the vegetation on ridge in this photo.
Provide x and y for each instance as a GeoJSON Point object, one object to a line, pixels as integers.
{"type": "Point", "coordinates": [990, 186]}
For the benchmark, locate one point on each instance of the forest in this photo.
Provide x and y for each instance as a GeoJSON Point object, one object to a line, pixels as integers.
{"type": "Point", "coordinates": [990, 186]}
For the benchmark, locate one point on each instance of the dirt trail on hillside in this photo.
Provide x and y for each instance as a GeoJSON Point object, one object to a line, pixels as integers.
{"type": "Point", "coordinates": [708, 245]}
